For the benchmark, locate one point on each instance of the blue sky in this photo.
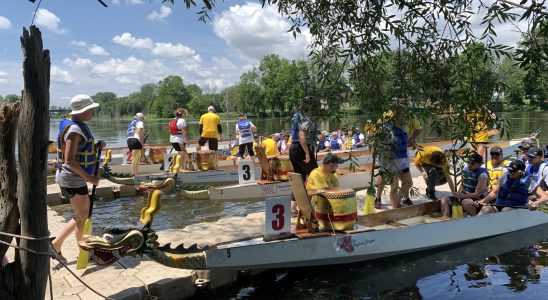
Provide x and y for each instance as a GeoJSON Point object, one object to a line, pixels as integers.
{"type": "Point", "coordinates": [132, 42]}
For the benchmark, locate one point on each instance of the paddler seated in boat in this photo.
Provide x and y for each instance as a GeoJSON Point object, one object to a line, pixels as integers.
{"type": "Point", "coordinates": [513, 190]}
{"type": "Point", "coordinates": [524, 149]}
{"type": "Point", "coordinates": [324, 144]}
{"type": "Point", "coordinates": [475, 181]}
{"type": "Point", "coordinates": [432, 163]}
{"type": "Point", "coordinates": [283, 144]}
{"type": "Point", "coordinates": [496, 166]}
{"type": "Point", "coordinates": [536, 167]}
{"type": "Point", "coordinates": [270, 147]}
{"type": "Point", "coordinates": [324, 176]}
{"type": "Point", "coordinates": [358, 139]}
{"type": "Point", "coordinates": [336, 143]}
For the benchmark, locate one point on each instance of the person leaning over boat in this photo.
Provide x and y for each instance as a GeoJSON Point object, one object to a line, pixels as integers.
{"type": "Point", "coordinates": [270, 146]}
{"type": "Point", "coordinates": [475, 181]}
{"type": "Point", "coordinates": [78, 159]}
{"type": "Point", "coordinates": [303, 142]}
{"type": "Point", "coordinates": [432, 164]}
{"type": "Point", "coordinates": [178, 134]}
{"type": "Point", "coordinates": [495, 166]}
{"type": "Point", "coordinates": [135, 140]}
{"type": "Point", "coordinates": [513, 190]}
{"type": "Point", "coordinates": [210, 130]}
{"type": "Point", "coordinates": [324, 176]}
{"type": "Point", "coordinates": [245, 129]}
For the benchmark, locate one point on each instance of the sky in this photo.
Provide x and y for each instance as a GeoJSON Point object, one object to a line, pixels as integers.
{"type": "Point", "coordinates": [134, 42]}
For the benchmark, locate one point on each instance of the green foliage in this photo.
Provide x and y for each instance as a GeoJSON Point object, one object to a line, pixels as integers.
{"type": "Point", "coordinates": [172, 94]}
{"type": "Point", "coordinates": [12, 98]}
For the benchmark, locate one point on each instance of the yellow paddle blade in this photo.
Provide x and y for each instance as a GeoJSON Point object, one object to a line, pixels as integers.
{"type": "Point", "coordinates": [369, 204]}
{"type": "Point", "coordinates": [108, 157]}
{"type": "Point", "coordinates": [83, 255]}
{"type": "Point", "coordinates": [152, 207]}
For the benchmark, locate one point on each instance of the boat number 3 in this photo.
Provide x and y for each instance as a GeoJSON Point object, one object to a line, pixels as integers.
{"type": "Point", "coordinates": [228, 253]}
{"type": "Point", "coordinates": [247, 172]}
{"type": "Point", "coordinates": [279, 221]}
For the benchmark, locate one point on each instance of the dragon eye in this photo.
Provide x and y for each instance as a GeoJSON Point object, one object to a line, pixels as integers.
{"type": "Point", "coordinates": [107, 237]}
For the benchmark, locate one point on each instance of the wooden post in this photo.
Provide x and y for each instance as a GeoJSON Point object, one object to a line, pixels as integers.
{"type": "Point", "coordinates": [33, 144]}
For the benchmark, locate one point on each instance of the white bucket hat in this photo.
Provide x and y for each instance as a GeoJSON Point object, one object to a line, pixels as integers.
{"type": "Point", "coordinates": [139, 116]}
{"type": "Point", "coordinates": [81, 103]}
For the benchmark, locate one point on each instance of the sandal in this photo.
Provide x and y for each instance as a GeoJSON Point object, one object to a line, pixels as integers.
{"type": "Point", "coordinates": [378, 204]}
{"type": "Point", "coordinates": [57, 254]}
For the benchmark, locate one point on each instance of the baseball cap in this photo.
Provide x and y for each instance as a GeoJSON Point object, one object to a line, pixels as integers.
{"type": "Point", "coordinates": [81, 103]}
{"type": "Point", "coordinates": [475, 157]}
{"type": "Point", "coordinates": [331, 158]}
{"type": "Point", "coordinates": [516, 165]}
{"type": "Point", "coordinates": [535, 151]}
{"type": "Point", "coordinates": [496, 149]}
{"type": "Point", "coordinates": [525, 144]}
{"type": "Point", "coordinates": [211, 108]}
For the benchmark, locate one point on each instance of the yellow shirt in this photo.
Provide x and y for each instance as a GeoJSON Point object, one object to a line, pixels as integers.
{"type": "Point", "coordinates": [424, 156]}
{"type": "Point", "coordinates": [210, 121]}
{"type": "Point", "coordinates": [319, 179]}
{"type": "Point", "coordinates": [412, 124]}
{"type": "Point", "coordinates": [480, 131]}
{"type": "Point", "coordinates": [270, 147]}
{"type": "Point", "coordinates": [495, 173]}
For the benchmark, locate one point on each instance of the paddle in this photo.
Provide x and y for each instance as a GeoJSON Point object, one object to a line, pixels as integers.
{"type": "Point", "coordinates": [369, 203]}
{"type": "Point", "coordinates": [83, 256]}
{"type": "Point", "coordinates": [543, 208]}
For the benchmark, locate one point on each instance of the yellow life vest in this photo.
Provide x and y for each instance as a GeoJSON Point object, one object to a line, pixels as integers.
{"type": "Point", "coordinates": [495, 173]}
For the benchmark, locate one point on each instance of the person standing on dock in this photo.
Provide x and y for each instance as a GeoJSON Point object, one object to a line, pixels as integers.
{"type": "Point", "coordinates": [210, 130]}
{"type": "Point", "coordinates": [303, 142]}
{"type": "Point", "coordinates": [135, 140]}
{"type": "Point", "coordinates": [178, 135]}
{"type": "Point", "coordinates": [78, 158]}
{"type": "Point", "coordinates": [245, 130]}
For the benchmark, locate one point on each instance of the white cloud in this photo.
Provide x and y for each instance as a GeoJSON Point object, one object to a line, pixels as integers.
{"type": "Point", "coordinates": [171, 50]}
{"type": "Point", "coordinates": [4, 23]}
{"type": "Point", "coordinates": [135, 2]}
{"type": "Point", "coordinates": [79, 43]}
{"type": "Point", "coordinates": [223, 63]}
{"type": "Point", "coordinates": [3, 79]}
{"type": "Point", "coordinates": [117, 2]}
{"type": "Point", "coordinates": [132, 70]}
{"type": "Point", "coordinates": [255, 32]}
{"type": "Point", "coordinates": [61, 76]}
{"type": "Point", "coordinates": [126, 39]}
{"type": "Point", "coordinates": [48, 20]}
{"type": "Point", "coordinates": [79, 62]}
{"type": "Point", "coordinates": [97, 50]}
{"type": "Point", "coordinates": [161, 15]}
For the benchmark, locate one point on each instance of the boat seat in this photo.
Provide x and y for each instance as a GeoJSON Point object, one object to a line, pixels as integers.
{"type": "Point", "coordinates": [305, 217]}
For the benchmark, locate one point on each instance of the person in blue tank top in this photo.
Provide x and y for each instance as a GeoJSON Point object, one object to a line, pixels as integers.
{"type": "Point", "coordinates": [474, 187]}
{"type": "Point", "coordinates": [245, 130]}
{"type": "Point", "coordinates": [77, 159]}
{"type": "Point", "coordinates": [513, 190]}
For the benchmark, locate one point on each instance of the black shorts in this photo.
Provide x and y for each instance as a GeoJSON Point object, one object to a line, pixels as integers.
{"type": "Point", "coordinates": [134, 144]}
{"type": "Point", "coordinates": [177, 146]}
{"type": "Point", "coordinates": [297, 156]}
{"type": "Point", "coordinates": [242, 149]}
{"type": "Point", "coordinates": [213, 144]}
{"type": "Point", "coordinates": [71, 192]}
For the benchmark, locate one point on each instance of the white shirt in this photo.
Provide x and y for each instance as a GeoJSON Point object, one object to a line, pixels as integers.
{"type": "Point", "coordinates": [245, 140]}
{"type": "Point", "coordinates": [179, 138]}
{"type": "Point", "coordinates": [139, 124]}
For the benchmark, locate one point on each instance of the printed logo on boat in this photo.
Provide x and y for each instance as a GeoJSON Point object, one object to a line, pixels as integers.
{"type": "Point", "coordinates": [348, 244]}
{"type": "Point", "coordinates": [268, 189]}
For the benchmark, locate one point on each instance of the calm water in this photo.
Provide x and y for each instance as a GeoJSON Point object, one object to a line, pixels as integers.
{"type": "Point", "coordinates": [114, 131]}
{"type": "Point", "coordinates": [500, 267]}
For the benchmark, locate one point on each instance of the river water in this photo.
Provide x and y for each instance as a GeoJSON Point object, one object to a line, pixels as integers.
{"type": "Point", "coordinates": [504, 267]}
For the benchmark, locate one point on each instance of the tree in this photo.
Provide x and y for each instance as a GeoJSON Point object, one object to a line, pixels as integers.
{"type": "Point", "coordinates": [12, 98]}
{"type": "Point", "coordinates": [172, 94]}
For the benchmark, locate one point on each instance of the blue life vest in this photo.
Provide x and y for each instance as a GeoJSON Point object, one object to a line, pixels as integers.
{"type": "Point", "coordinates": [85, 153]}
{"type": "Point", "coordinates": [400, 141]}
{"type": "Point", "coordinates": [321, 144]}
{"type": "Point", "coordinates": [304, 123]}
{"type": "Point", "coordinates": [514, 192]}
{"type": "Point", "coordinates": [470, 179]}
{"type": "Point", "coordinates": [535, 171]}
{"type": "Point", "coordinates": [335, 144]}
{"type": "Point", "coordinates": [356, 138]}
{"type": "Point", "coordinates": [244, 126]}
{"type": "Point", "coordinates": [131, 128]}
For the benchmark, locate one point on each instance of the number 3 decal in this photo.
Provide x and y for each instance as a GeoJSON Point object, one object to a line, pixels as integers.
{"type": "Point", "coordinates": [247, 172]}
{"type": "Point", "coordinates": [279, 222]}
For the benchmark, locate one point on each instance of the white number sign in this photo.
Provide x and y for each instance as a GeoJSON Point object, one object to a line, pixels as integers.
{"type": "Point", "coordinates": [246, 171]}
{"type": "Point", "coordinates": [168, 161]}
{"type": "Point", "coordinates": [277, 216]}
{"type": "Point", "coordinates": [128, 156]}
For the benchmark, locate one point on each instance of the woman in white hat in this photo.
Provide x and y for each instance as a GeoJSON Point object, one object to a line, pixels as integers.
{"type": "Point", "coordinates": [135, 140]}
{"type": "Point", "coordinates": [78, 159]}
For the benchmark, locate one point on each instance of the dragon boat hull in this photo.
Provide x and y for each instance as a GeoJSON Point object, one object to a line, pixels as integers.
{"type": "Point", "coordinates": [412, 234]}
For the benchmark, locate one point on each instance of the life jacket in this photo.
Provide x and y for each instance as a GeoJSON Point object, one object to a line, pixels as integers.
{"type": "Point", "coordinates": [321, 144]}
{"type": "Point", "coordinates": [470, 179]}
{"type": "Point", "coordinates": [535, 171]}
{"type": "Point", "coordinates": [85, 153]}
{"type": "Point", "coordinates": [514, 192]}
{"type": "Point", "coordinates": [173, 129]}
{"type": "Point", "coordinates": [356, 138]}
{"type": "Point", "coordinates": [131, 128]}
{"type": "Point", "coordinates": [400, 141]}
{"type": "Point", "coordinates": [495, 173]}
{"type": "Point", "coordinates": [335, 144]}
{"type": "Point", "coordinates": [244, 126]}
{"type": "Point", "coordinates": [302, 122]}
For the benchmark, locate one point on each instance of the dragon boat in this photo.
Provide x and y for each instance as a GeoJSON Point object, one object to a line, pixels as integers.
{"type": "Point", "coordinates": [373, 236]}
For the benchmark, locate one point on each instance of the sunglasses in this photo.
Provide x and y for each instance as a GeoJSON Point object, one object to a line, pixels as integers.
{"type": "Point", "coordinates": [472, 163]}
{"type": "Point", "coordinates": [513, 171]}
{"type": "Point", "coordinates": [494, 154]}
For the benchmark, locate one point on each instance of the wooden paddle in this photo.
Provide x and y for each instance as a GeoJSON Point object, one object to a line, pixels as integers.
{"type": "Point", "coordinates": [83, 256]}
